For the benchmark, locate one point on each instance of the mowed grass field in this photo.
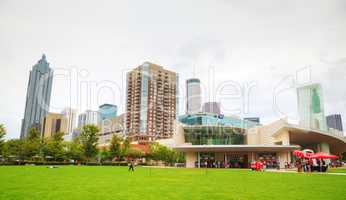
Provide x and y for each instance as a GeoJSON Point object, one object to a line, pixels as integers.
{"type": "Point", "coordinates": [339, 170]}
{"type": "Point", "coordinates": [104, 183]}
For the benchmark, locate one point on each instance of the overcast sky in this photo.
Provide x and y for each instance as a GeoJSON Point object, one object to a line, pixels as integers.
{"type": "Point", "coordinates": [266, 46]}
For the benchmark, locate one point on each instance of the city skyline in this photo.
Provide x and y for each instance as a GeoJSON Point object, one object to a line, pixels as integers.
{"type": "Point", "coordinates": [242, 41]}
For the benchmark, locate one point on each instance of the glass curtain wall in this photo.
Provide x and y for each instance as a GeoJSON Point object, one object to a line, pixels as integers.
{"type": "Point", "coordinates": [213, 136]}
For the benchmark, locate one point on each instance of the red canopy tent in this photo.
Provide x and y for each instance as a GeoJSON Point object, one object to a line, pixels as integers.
{"type": "Point", "coordinates": [302, 154]}
{"type": "Point", "coordinates": [321, 155]}
{"type": "Point", "coordinates": [309, 155]}
{"type": "Point", "coordinates": [298, 153]}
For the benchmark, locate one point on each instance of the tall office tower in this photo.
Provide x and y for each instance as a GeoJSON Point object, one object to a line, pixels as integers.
{"type": "Point", "coordinates": [335, 122]}
{"type": "Point", "coordinates": [310, 107]}
{"type": "Point", "coordinates": [53, 123]}
{"type": "Point", "coordinates": [71, 116]}
{"type": "Point", "coordinates": [212, 107]}
{"type": "Point", "coordinates": [152, 100]}
{"type": "Point", "coordinates": [193, 96]}
{"type": "Point", "coordinates": [107, 111]}
{"type": "Point", "coordinates": [88, 117]}
{"type": "Point", "coordinates": [37, 96]}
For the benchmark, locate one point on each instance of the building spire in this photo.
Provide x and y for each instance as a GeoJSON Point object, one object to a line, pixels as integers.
{"type": "Point", "coordinates": [43, 57]}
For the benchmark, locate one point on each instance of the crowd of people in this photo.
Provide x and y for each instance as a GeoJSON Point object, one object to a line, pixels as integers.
{"type": "Point", "coordinates": [219, 164]}
{"type": "Point", "coordinates": [272, 164]}
{"type": "Point", "coordinates": [301, 164]}
{"type": "Point", "coordinates": [311, 165]}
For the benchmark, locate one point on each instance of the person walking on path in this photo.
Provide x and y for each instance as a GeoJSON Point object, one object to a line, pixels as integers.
{"type": "Point", "coordinates": [131, 166]}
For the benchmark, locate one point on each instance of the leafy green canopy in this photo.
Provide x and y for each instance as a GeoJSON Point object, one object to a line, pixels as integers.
{"type": "Point", "coordinates": [2, 136]}
{"type": "Point", "coordinates": [89, 140]}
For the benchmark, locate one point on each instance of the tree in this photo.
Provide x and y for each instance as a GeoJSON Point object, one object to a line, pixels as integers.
{"type": "Point", "coordinates": [162, 153]}
{"type": "Point", "coordinates": [34, 134]}
{"type": "Point", "coordinates": [115, 147]}
{"type": "Point", "coordinates": [104, 155]}
{"type": "Point", "coordinates": [135, 153]}
{"type": "Point", "coordinates": [180, 157]}
{"type": "Point", "coordinates": [32, 144]}
{"type": "Point", "coordinates": [74, 150]}
{"type": "Point", "coordinates": [2, 136]}
{"type": "Point", "coordinates": [13, 149]}
{"type": "Point", "coordinates": [54, 147]}
{"type": "Point", "coordinates": [89, 139]}
{"type": "Point", "coordinates": [126, 147]}
{"type": "Point", "coordinates": [157, 152]}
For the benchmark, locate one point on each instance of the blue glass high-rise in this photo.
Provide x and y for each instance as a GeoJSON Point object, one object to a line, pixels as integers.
{"type": "Point", "coordinates": [107, 111]}
{"type": "Point", "coordinates": [38, 96]}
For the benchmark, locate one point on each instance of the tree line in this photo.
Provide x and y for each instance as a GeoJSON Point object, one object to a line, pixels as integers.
{"type": "Point", "coordinates": [80, 149]}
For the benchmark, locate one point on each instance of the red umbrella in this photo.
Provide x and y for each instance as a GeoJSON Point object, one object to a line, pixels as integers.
{"type": "Point", "coordinates": [302, 154]}
{"type": "Point", "coordinates": [298, 153]}
{"type": "Point", "coordinates": [321, 155]}
{"type": "Point", "coordinates": [309, 155]}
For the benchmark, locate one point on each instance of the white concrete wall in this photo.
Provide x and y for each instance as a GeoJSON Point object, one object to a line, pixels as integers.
{"type": "Point", "coordinates": [264, 134]}
{"type": "Point", "coordinates": [284, 157]}
{"type": "Point", "coordinates": [191, 158]}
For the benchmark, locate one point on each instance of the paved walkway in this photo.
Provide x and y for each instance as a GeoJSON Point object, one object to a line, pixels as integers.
{"type": "Point", "coordinates": [295, 172]}
{"type": "Point", "coordinates": [267, 170]}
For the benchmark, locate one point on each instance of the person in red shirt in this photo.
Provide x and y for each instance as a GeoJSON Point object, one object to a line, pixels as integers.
{"type": "Point", "coordinates": [258, 166]}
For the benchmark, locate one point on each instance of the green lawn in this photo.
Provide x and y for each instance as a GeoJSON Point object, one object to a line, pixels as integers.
{"type": "Point", "coordinates": [340, 170]}
{"type": "Point", "coordinates": [104, 183]}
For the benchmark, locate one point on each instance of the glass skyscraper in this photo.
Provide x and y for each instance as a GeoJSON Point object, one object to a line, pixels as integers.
{"type": "Point", "coordinates": [107, 111]}
{"type": "Point", "coordinates": [212, 107]}
{"type": "Point", "coordinates": [38, 95]}
{"type": "Point", "coordinates": [87, 118]}
{"type": "Point", "coordinates": [310, 107]}
{"type": "Point", "coordinates": [335, 122]}
{"type": "Point", "coordinates": [71, 115]}
{"type": "Point", "coordinates": [193, 96]}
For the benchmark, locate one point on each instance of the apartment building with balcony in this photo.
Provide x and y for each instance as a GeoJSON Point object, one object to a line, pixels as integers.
{"type": "Point", "coordinates": [151, 103]}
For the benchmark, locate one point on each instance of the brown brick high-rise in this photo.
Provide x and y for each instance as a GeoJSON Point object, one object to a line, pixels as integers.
{"type": "Point", "coordinates": [151, 107]}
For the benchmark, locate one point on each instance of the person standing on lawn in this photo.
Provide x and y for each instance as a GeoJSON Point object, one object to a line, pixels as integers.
{"type": "Point", "coordinates": [131, 166]}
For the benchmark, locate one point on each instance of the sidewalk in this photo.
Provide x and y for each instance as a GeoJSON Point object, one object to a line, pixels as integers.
{"type": "Point", "coordinates": [294, 171]}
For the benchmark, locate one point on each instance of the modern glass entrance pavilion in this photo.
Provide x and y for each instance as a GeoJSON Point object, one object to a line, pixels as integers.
{"type": "Point", "coordinates": [217, 141]}
{"type": "Point", "coordinates": [211, 129]}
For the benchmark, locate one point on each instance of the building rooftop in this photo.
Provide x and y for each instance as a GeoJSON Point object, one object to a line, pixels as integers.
{"type": "Point", "coordinates": [107, 105]}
